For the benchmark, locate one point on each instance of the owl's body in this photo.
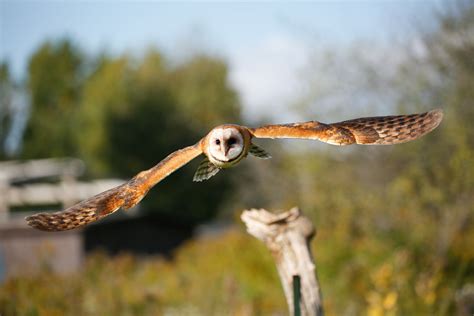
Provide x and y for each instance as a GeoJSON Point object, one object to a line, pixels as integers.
{"type": "Point", "coordinates": [225, 146]}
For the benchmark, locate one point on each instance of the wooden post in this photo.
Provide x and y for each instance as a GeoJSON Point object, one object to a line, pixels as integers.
{"type": "Point", "coordinates": [287, 235]}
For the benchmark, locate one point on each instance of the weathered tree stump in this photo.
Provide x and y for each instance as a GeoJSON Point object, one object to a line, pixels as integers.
{"type": "Point", "coordinates": [287, 235]}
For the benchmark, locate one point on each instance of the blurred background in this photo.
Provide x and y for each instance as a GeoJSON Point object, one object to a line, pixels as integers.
{"type": "Point", "coordinates": [91, 93]}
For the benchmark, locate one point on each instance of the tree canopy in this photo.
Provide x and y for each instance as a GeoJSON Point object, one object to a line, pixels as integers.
{"type": "Point", "coordinates": [6, 90]}
{"type": "Point", "coordinates": [124, 114]}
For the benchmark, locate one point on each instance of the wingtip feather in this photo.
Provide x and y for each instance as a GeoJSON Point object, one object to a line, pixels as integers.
{"type": "Point", "coordinates": [437, 115]}
{"type": "Point", "coordinates": [41, 221]}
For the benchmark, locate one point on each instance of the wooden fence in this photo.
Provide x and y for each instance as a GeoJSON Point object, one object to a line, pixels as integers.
{"type": "Point", "coordinates": [36, 184]}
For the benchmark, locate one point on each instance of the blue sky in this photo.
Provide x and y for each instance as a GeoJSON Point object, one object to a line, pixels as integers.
{"type": "Point", "coordinates": [264, 42]}
{"type": "Point", "coordinates": [225, 27]}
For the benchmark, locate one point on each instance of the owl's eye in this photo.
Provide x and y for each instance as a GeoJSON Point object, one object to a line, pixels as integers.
{"type": "Point", "coordinates": [218, 142]}
{"type": "Point", "coordinates": [231, 141]}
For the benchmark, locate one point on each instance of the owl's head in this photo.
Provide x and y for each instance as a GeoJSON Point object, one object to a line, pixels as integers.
{"type": "Point", "coordinates": [226, 143]}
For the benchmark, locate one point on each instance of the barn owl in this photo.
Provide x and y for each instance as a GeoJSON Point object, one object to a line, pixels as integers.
{"type": "Point", "coordinates": [225, 146]}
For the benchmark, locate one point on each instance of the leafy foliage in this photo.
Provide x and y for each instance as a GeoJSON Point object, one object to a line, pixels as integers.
{"type": "Point", "coordinates": [6, 90]}
{"type": "Point", "coordinates": [235, 277]}
{"type": "Point", "coordinates": [124, 115]}
{"type": "Point", "coordinates": [396, 223]}
{"type": "Point", "coordinates": [54, 85]}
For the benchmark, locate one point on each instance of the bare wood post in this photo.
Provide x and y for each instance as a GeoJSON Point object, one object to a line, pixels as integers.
{"type": "Point", "coordinates": [287, 235]}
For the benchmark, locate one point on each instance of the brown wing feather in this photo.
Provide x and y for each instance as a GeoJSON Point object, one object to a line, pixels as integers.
{"type": "Point", "coordinates": [123, 196]}
{"type": "Point", "coordinates": [379, 130]}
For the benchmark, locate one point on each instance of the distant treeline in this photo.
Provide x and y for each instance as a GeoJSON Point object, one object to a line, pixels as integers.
{"type": "Point", "coordinates": [122, 115]}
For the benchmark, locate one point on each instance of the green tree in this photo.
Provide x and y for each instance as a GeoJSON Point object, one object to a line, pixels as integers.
{"type": "Point", "coordinates": [439, 175]}
{"type": "Point", "coordinates": [6, 112]}
{"type": "Point", "coordinates": [202, 90]}
{"type": "Point", "coordinates": [54, 83]}
{"type": "Point", "coordinates": [136, 112]}
{"type": "Point", "coordinates": [396, 224]}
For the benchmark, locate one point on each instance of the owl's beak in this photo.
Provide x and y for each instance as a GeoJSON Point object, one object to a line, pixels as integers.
{"type": "Point", "coordinates": [226, 149]}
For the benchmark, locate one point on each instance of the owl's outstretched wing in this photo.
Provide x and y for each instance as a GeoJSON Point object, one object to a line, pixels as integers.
{"type": "Point", "coordinates": [379, 130]}
{"type": "Point", "coordinates": [123, 196]}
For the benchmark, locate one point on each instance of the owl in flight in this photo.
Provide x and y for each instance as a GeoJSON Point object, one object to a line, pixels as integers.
{"type": "Point", "coordinates": [225, 146]}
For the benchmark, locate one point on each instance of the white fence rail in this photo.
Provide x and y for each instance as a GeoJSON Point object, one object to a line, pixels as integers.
{"type": "Point", "coordinates": [42, 168]}
{"type": "Point", "coordinates": [64, 193]}
{"type": "Point", "coordinates": [65, 190]}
